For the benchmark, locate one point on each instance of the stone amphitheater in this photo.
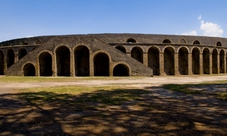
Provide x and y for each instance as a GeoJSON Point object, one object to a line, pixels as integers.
{"type": "Point", "coordinates": [113, 55]}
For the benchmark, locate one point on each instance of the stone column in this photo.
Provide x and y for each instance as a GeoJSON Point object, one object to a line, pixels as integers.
{"type": "Point", "coordinates": [176, 64]}
{"type": "Point", "coordinates": [15, 57]}
{"type": "Point", "coordinates": [5, 63]}
{"type": "Point", "coordinates": [54, 65]}
{"type": "Point", "coordinates": [218, 63]}
{"type": "Point", "coordinates": [128, 53]}
{"type": "Point", "coordinates": [145, 59]}
{"type": "Point", "coordinates": [201, 63]}
{"type": "Point", "coordinates": [224, 63]}
{"type": "Point", "coordinates": [91, 65]}
{"type": "Point", "coordinates": [72, 65]}
{"type": "Point", "coordinates": [161, 63]}
{"type": "Point", "coordinates": [211, 63]}
{"type": "Point", "coordinates": [190, 63]}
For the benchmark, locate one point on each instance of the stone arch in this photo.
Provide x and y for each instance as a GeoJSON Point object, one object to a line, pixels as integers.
{"type": "Point", "coordinates": [10, 57]}
{"type": "Point", "coordinates": [137, 54]}
{"type": "Point", "coordinates": [222, 59]}
{"type": "Point", "coordinates": [82, 61]}
{"type": "Point", "coordinates": [121, 48]}
{"type": "Point", "coordinates": [131, 40]}
{"type": "Point", "coordinates": [63, 61]}
{"type": "Point", "coordinates": [45, 64]}
{"type": "Point", "coordinates": [1, 62]}
{"type": "Point", "coordinates": [214, 61]}
{"type": "Point", "coordinates": [196, 42]}
{"type": "Point", "coordinates": [29, 69]}
{"type": "Point", "coordinates": [183, 61]}
{"type": "Point", "coordinates": [218, 43]}
{"type": "Point", "coordinates": [183, 41]}
{"type": "Point", "coordinates": [166, 41]}
{"type": "Point", "coordinates": [121, 70]}
{"type": "Point", "coordinates": [38, 42]}
{"type": "Point", "coordinates": [101, 64]}
{"type": "Point", "coordinates": [169, 61]}
{"type": "Point", "coordinates": [153, 60]}
{"type": "Point", "coordinates": [195, 61]}
{"type": "Point", "coordinates": [206, 61]}
{"type": "Point", "coordinates": [21, 53]}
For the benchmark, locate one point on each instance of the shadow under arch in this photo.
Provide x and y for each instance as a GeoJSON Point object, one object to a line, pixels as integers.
{"type": "Point", "coordinates": [214, 61]}
{"type": "Point", "coordinates": [183, 61]}
{"type": "Point", "coordinates": [195, 61]}
{"type": "Point", "coordinates": [29, 69]}
{"type": "Point", "coordinates": [169, 61]}
{"type": "Point", "coordinates": [153, 60]}
{"type": "Point", "coordinates": [101, 64]}
{"type": "Point", "coordinates": [45, 64]}
{"type": "Point", "coordinates": [10, 57]}
{"type": "Point", "coordinates": [222, 59]}
{"type": "Point", "coordinates": [63, 61]}
{"type": "Point", "coordinates": [1, 63]}
{"type": "Point", "coordinates": [21, 53]}
{"type": "Point", "coordinates": [82, 61]}
{"type": "Point", "coordinates": [121, 70]}
{"type": "Point", "coordinates": [206, 61]}
{"type": "Point", "coordinates": [121, 48]}
{"type": "Point", "coordinates": [137, 54]}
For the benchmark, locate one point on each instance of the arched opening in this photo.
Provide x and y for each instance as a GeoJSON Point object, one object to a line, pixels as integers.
{"type": "Point", "coordinates": [153, 60]}
{"type": "Point", "coordinates": [137, 54]}
{"type": "Point", "coordinates": [196, 42]}
{"type": "Point", "coordinates": [206, 61]}
{"type": "Point", "coordinates": [82, 67]}
{"type": "Point", "coordinates": [183, 61]}
{"type": "Point", "coordinates": [121, 48]}
{"type": "Point", "coordinates": [22, 53]}
{"type": "Point", "coordinates": [63, 61]}
{"type": "Point", "coordinates": [29, 70]}
{"type": "Point", "coordinates": [169, 61]}
{"type": "Point", "coordinates": [1, 63]}
{"type": "Point", "coordinates": [121, 70]}
{"type": "Point", "coordinates": [10, 57]}
{"type": "Point", "coordinates": [218, 44]}
{"type": "Point", "coordinates": [101, 65]}
{"type": "Point", "coordinates": [214, 61]}
{"type": "Point", "coordinates": [38, 42]}
{"type": "Point", "coordinates": [195, 61]}
{"type": "Point", "coordinates": [222, 58]}
{"type": "Point", "coordinates": [45, 64]}
{"type": "Point", "coordinates": [166, 41]}
{"type": "Point", "coordinates": [182, 41]}
{"type": "Point", "coordinates": [131, 40]}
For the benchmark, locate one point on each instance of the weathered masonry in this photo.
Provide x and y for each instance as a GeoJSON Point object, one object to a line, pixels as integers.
{"type": "Point", "coordinates": [113, 55]}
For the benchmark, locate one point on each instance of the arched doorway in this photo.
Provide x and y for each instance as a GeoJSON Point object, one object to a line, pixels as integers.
{"type": "Point", "coordinates": [169, 61]}
{"type": "Point", "coordinates": [1, 63]}
{"type": "Point", "coordinates": [82, 67]}
{"type": "Point", "coordinates": [195, 61]}
{"type": "Point", "coordinates": [214, 61]}
{"type": "Point", "coordinates": [101, 65]}
{"type": "Point", "coordinates": [206, 61]}
{"type": "Point", "coordinates": [153, 60]}
{"type": "Point", "coordinates": [45, 64]}
{"type": "Point", "coordinates": [22, 53]}
{"type": "Point", "coordinates": [29, 70]}
{"type": "Point", "coordinates": [121, 48]}
{"type": "Point", "coordinates": [121, 70]}
{"type": "Point", "coordinates": [10, 57]}
{"type": "Point", "coordinates": [63, 61]}
{"type": "Point", "coordinates": [183, 61]}
{"type": "Point", "coordinates": [137, 53]}
{"type": "Point", "coordinates": [222, 59]}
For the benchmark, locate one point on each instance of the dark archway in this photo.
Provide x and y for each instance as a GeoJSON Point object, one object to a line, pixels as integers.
{"type": "Point", "coordinates": [214, 61]}
{"type": "Point", "coordinates": [1, 63]}
{"type": "Point", "coordinates": [45, 64]}
{"type": "Point", "coordinates": [121, 70]}
{"type": "Point", "coordinates": [206, 61]}
{"type": "Point", "coordinates": [182, 41]}
{"type": "Point", "coordinates": [153, 60]}
{"type": "Point", "coordinates": [101, 65]}
{"type": "Point", "coordinates": [82, 61]}
{"type": "Point", "coordinates": [166, 41]}
{"type": "Point", "coordinates": [218, 44]}
{"type": "Point", "coordinates": [121, 48]}
{"type": "Point", "coordinates": [169, 61]}
{"type": "Point", "coordinates": [131, 40]}
{"type": "Point", "coordinates": [29, 70]}
{"type": "Point", "coordinates": [183, 61]}
{"type": "Point", "coordinates": [22, 53]}
{"type": "Point", "coordinates": [10, 58]}
{"type": "Point", "coordinates": [222, 59]}
{"type": "Point", "coordinates": [63, 61]}
{"type": "Point", "coordinates": [196, 42]}
{"type": "Point", "coordinates": [137, 53]}
{"type": "Point", "coordinates": [195, 61]}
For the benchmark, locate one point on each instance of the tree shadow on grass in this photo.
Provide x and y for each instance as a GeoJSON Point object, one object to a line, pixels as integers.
{"type": "Point", "coordinates": [113, 112]}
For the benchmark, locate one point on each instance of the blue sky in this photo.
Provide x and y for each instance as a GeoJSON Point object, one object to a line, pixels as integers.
{"type": "Point", "coordinates": [25, 18]}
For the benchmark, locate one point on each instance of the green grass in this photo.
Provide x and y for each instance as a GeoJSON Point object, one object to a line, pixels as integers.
{"type": "Point", "coordinates": [182, 88]}
{"type": "Point", "coordinates": [222, 95]}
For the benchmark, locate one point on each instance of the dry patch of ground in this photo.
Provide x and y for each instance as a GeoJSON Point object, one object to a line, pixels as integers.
{"type": "Point", "coordinates": [124, 106]}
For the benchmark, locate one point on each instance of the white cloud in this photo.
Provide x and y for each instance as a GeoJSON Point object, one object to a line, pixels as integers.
{"type": "Point", "coordinates": [200, 17]}
{"type": "Point", "coordinates": [193, 32]}
{"type": "Point", "coordinates": [211, 29]}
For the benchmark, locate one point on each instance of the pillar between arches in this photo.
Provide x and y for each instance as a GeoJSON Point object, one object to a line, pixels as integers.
{"type": "Point", "coordinates": [15, 57]}
{"type": "Point", "coordinates": [72, 65]}
{"type": "Point", "coordinates": [176, 64]}
{"type": "Point", "coordinates": [211, 63]}
{"type": "Point", "coordinates": [224, 63]}
{"type": "Point", "coordinates": [201, 63]}
{"type": "Point", "coordinates": [161, 62]}
{"type": "Point", "coordinates": [189, 63]}
{"type": "Point", "coordinates": [145, 59]}
{"type": "Point", "coordinates": [218, 63]}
